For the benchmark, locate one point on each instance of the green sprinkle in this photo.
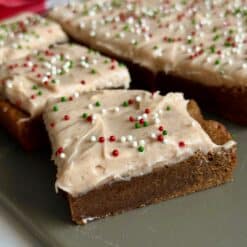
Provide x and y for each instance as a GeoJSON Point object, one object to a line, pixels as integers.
{"type": "Point", "coordinates": [53, 81]}
{"type": "Point", "coordinates": [41, 59]}
{"type": "Point", "coordinates": [97, 104]}
{"type": "Point", "coordinates": [63, 99]}
{"type": "Point", "coordinates": [34, 87]}
{"type": "Point", "coordinates": [145, 124]}
{"type": "Point", "coordinates": [170, 40]}
{"type": "Point", "coordinates": [84, 115]}
{"type": "Point", "coordinates": [164, 132]}
{"type": "Point", "coordinates": [216, 37]}
{"type": "Point", "coordinates": [55, 108]}
{"type": "Point", "coordinates": [227, 44]}
{"type": "Point", "coordinates": [215, 29]}
{"type": "Point", "coordinates": [106, 61]}
{"type": "Point", "coordinates": [217, 62]}
{"type": "Point", "coordinates": [168, 108]}
{"type": "Point", "coordinates": [71, 64]}
{"type": "Point", "coordinates": [121, 64]}
{"type": "Point", "coordinates": [135, 43]}
{"type": "Point", "coordinates": [93, 71]}
{"type": "Point", "coordinates": [141, 149]}
{"type": "Point", "coordinates": [40, 93]}
{"type": "Point", "coordinates": [62, 72]}
{"type": "Point", "coordinates": [61, 57]}
{"type": "Point", "coordinates": [155, 47]}
{"type": "Point", "coordinates": [212, 49]}
{"type": "Point", "coordinates": [125, 104]}
{"type": "Point", "coordinates": [137, 126]}
{"type": "Point", "coordinates": [189, 41]}
{"type": "Point", "coordinates": [126, 27]}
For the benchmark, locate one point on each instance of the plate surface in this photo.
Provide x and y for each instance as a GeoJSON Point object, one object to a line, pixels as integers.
{"type": "Point", "coordinates": [216, 217]}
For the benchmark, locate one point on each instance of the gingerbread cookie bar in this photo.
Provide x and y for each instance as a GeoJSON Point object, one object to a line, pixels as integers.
{"type": "Point", "coordinates": [120, 150]}
{"type": "Point", "coordinates": [199, 42]}
{"type": "Point", "coordinates": [22, 34]}
{"type": "Point", "coordinates": [62, 71]}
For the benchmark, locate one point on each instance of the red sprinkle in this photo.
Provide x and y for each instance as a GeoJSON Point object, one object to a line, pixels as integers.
{"type": "Point", "coordinates": [130, 101]}
{"type": "Point", "coordinates": [66, 117]}
{"type": "Point", "coordinates": [83, 82]}
{"type": "Point", "coordinates": [70, 98]}
{"type": "Point", "coordinates": [141, 121]}
{"type": "Point", "coordinates": [161, 128]}
{"type": "Point", "coordinates": [131, 119]}
{"type": "Point", "coordinates": [33, 96]}
{"type": "Point", "coordinates": [160, 138]}
{"type": "Point", "coordinates": [115, 152]}
{"type": "Point", "coordinates": [181, 144]}
{"type": "Point", "coordinates": [101, 139]}
{"type": "Point", "coordinates": [112, 67]}
{"type": "Point", "coordinates": [89, 119]}
{"type": "Point", "coordinates": [59, 151]}
{"type": "Point", "coordinates": [112, 138]}
{"type": "Point", "coordinates": [52, 125]}
{"type": "Point", "coordinates": [147, 110]}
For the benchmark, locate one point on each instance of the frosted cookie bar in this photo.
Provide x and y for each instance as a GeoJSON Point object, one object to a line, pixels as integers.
{"type": "Point", "coordinates": [197, 47]}
{"type": "Point", "coordinates": [62, 71]}
{"type": "Point", "coordinates": [120, 150]}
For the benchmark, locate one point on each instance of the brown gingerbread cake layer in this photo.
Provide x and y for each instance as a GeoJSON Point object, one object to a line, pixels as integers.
{"type": "Point", "coordinates": [199, 172]}
{"type": "Point", "coordinates": [229, 102]}
{"type": "Point", "coordinates": [30, 133]}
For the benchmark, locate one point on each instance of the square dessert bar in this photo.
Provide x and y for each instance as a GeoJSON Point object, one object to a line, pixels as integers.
{"type": "Point", "coordinates": [198, 47]}
{"type": "Point", "coordinates": [123, 149]}
{"type": "Point", "coordinates": [23, 33]}
{"type": "Point", "coordinates": [62, 71]}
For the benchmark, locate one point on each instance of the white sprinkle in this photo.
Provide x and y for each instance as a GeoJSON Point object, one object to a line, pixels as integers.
{"type": "Point", "coordinates": [108, 35]}
{"type": "Point", "coordinates": [155, 115]}
{"type": "Point", "coordinates": [62, 155]}
{"type": "Point", "coordinates": [44, 79]}
{"type": "Point", "coordinates": [139, 118]}
{"type": "Point", "coordinates": [94, 117]}
{"type": "Point", "coordinates": [130, 138]}
{"type": "Point", "coordinates": [165, 141]}
{"type": "Point", "coordinates": [160, 111]}
{"type": "Point", "coordinates": [103, 111]}
{"type": "Point", "coordinates": [157, 120]}
{"type": "Point", "coordinates": [93, 139]}
{"type": "Point", "coordinates": [92, 33]}
{"type": "Point", "coordinates": [138, 98]}
{"type": "Point", "coordinates": [9, 84]}
{"type": "Point", "coordinates": [82, 25]}
{"type": "Point", "coordinates": [116, 109]}
{"type": "Point", "coordinates": [123, 139]}
{"type": "Point", "coordinates": [153, 135]}
{"type": "Point", "coordinates": [142, 143]}
{"type": "Point", "coordinates": [145, 116]}
{"type": "Point", "coordinates": [29, 63]}
{"type": "Point", "coordinates": [76, 94]}
{"type": "Point", "coordinates": [135, 144]}
{"type": "Point", "coordinates": [244, 66]}
{"type": "Point", "coordinates": [90, 106]}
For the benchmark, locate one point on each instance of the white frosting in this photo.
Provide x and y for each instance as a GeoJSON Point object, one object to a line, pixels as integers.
{"type": "Point", "coordinates": [64, 70]}
{"type": "Point", "coordinates": [23, 33]}
{"type": "Point", "coordinates": [141, 131]}
{"type": "Point", "coordinates": [204, 41]}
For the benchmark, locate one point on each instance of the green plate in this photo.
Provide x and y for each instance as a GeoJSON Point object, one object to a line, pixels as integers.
{"type": "Point", "coordinates": [216, 217]}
